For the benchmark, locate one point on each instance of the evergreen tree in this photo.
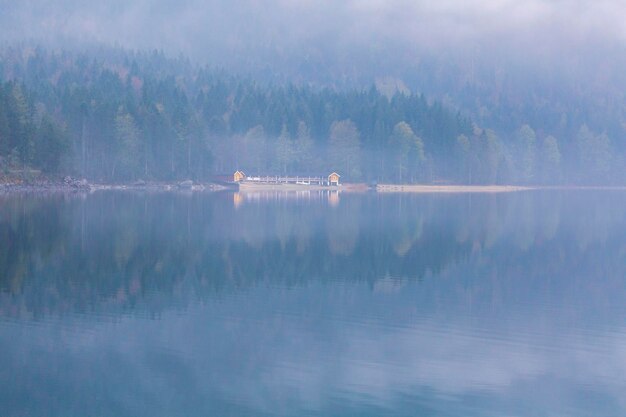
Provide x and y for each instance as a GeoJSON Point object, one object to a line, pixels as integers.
{"type": "Point", "coordinates": [51, 145]}
{"type": "Point", "coordinates": [525, 146]}
{"type": "Point", "coordinates": [462, 150]}
{"type": "Point", "coordinates": [22, 126]}
{"type": "Point", "coordinates": [284, 151]}
{"type": "Point", "coordinates": [127, 163]}
{"type": "Point", "coordinates": [594, 156]}
{"type": "Point", "coordinates": [602, 158]}
{"type": "Point", "coordinates": [5, 130]}
{"type": "Point", "coordinates": [345, 149]}
{"type": "Point", "coordinates": [584, 145]}
{"type": "Point", "coordinates": [493, 156]}
{"type": "Point", "coordinates": [193, 122]}
{"type": "Point", "coordinates": [254, 155]}
{"type": "Point", "coordinates": [550, 160]}
{"type": "Point", "coordinates": [303, 149]}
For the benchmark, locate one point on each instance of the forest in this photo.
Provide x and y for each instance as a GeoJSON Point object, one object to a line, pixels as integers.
{"type": "Point", "coordinates": [115, 115]}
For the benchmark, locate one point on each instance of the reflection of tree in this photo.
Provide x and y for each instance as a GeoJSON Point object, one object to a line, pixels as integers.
{"type": "Point", "coordinates": [403, 233]}
{"type": "Point", "coordinates": [550, 210]}
{"type": "Point", "coordinates": [527, 230]}
{"type": "Point", "coordinates": [343, 228]}
{"type": "Point", "coordinates": [129, 251]}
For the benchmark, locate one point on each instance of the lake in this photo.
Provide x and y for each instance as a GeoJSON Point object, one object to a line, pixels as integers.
{"type": "Point", "coordinates": [228, 304]}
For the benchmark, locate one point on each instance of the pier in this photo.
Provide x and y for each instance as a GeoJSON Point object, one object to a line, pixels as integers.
{"type": "Point", "coordinates": [330, 180]}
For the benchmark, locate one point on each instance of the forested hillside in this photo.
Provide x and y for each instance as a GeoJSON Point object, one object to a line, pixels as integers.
{"type": "Point", "coordinates": [116, 115]}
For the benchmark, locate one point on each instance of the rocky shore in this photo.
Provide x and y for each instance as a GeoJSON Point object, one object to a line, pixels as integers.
{"type": "Point", "coordinates": [75, 185]}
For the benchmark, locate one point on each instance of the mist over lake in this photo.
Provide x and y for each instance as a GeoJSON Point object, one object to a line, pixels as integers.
{"type": "Point", "coordinates": [242, 208]}
{"type": "Point", "coordinates": [290, 304]}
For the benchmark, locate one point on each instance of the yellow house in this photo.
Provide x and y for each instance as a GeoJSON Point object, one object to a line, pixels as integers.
{"type": "Point", "coordinates": [239, 176]}
{"type": "Point", "coordinates": [333, 179]}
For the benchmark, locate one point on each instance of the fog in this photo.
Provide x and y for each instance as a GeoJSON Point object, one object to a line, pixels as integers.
{"type": "Point", "coordinates": [526, 71]}
{"type": "Point", "coordinates": [280, 34]}
{"type": "Point", "coordinates": [191, 23]}
{"type": "Point", "coordinates": [502, 47]}
{"type": "Point", "coordinates": [469, 260]}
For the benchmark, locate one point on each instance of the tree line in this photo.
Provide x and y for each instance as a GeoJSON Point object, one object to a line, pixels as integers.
{"type": "Point", "coordinates": [121, 116]}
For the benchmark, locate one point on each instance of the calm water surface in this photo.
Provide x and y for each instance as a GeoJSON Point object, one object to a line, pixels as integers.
{"type": "Point", "coordinates": [121, 304]}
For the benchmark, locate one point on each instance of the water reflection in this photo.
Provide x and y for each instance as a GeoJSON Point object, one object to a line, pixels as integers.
{"type": "Point", "coordinates": [243, 304]}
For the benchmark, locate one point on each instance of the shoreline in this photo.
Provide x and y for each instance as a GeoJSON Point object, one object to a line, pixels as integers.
{"type": "Point", "coordinates": [84, 187]}
{"type": "Point", "coordinates": [76, 186]}
{"type": "Point", "coordinates": [428, 189]}
{"type": "Point", "coordinates": [453, 189]}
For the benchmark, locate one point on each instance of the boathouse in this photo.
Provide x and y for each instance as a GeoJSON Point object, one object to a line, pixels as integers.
{"type": "Point", "coordinates": [239, 176]}
{"type": "Point", "coordinates": [333, 179]}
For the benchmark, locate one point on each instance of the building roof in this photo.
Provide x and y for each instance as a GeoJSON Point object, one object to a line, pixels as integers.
{"type": "Point", "coordinates": [334, 173]}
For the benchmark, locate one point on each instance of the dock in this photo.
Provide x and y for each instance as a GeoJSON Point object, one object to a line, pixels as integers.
{"type": "Point", "coordinates": [297, 180]}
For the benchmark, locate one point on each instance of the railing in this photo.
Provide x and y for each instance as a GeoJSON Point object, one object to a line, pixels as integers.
{"type": "Point", "coordinates": [288, 180]}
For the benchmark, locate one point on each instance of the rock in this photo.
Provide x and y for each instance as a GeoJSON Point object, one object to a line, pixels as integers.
{"type": "Point", "coordinates": [75, 183]}
{"type": "Point", "coordinates": [185, 184]}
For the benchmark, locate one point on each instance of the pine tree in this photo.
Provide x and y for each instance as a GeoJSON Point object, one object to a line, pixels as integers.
{"type": "Point", "coordinates": [462, 151]}
{"type": "Point", "coordinates": [22, 127]}
{"type": "Point", "coordinates": [594, 155]}
{"type": "Point", "coordinates": [493, 156]}
{"type": "Point", "coordinates": [253, 154]}
{"type": "Point", "coordinates": [525, 146]}
{"type": "Point", "coordinates": [284, 151]}
{"type": "Point", "coordinates": [51, 145]}
{"type": "Point", "coordinates": [550, 160]}
{"type": "Point", "coordinates": [127, 163]}
{"type": "Point", "coordinates": [303, 149]}
{"type": "Point", "coordinates": [345, 148]}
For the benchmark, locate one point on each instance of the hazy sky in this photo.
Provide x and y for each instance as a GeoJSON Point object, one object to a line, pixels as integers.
{"type": "Point", "coordinates": [192, 24]}
{"type": "Point", "coordinates": [573, 35]}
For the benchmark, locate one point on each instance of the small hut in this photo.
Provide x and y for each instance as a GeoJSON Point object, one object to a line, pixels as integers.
{"type": "Point", "coordinates": [333, 179]}
{"type": "Point", "coordinates": [239, 176]}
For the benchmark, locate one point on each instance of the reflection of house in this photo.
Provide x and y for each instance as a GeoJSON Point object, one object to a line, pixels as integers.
{"type": "Point", "coordinates": [237, 199]}
{"type": "Point", "coordinates": [333, 198]}
{"type": "Point", "coordinates": [239, 176]}
{"type": "Point", "coordinates": [333, 179]}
